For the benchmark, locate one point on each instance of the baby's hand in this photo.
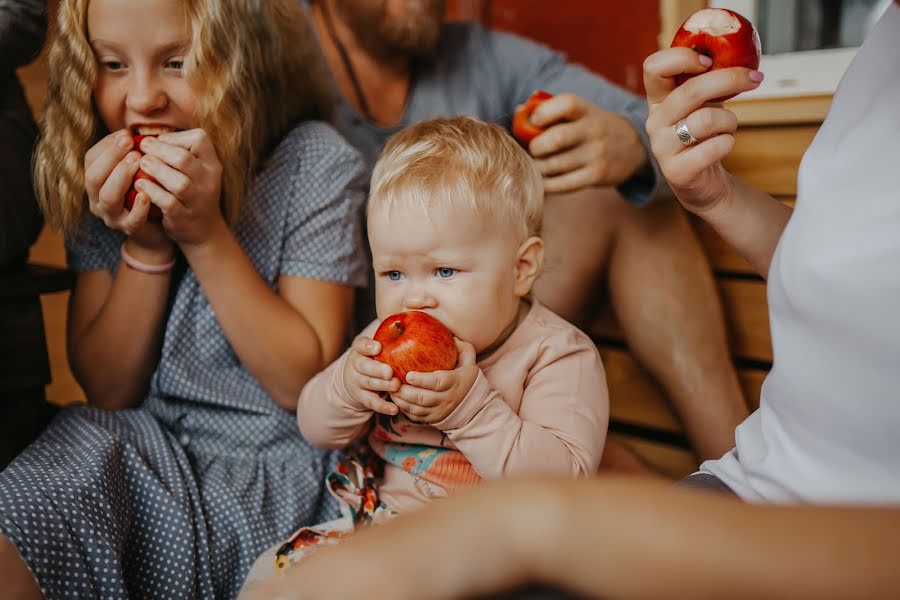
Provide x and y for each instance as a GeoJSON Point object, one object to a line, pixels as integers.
{"type": "Point", "coordinates": [366, 379]}
{"type": "Point", "coordinates": [431, 397]}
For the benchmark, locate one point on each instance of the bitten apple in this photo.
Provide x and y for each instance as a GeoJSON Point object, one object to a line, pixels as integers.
{"type": "Point", "coordinates": [723, 35]}
{"type": "Point", "coordinates": [522, 127]}
{"type": "Point", "coordinates": [155, 214]}
{"type": "Point", "coordinates": [415, 341]}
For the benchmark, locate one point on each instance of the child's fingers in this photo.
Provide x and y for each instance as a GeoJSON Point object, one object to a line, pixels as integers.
{"type": "Point", "coordinates": [376, 384]}
{"type": "Point", "coordinates": [417, 396]}
{"type": "Point", "coordinates": [112, 191]}
{"type": "Point", "coordinates": [411, 410]}
{"type": "Point", "coordinates": [438, 381]}
{"type": "Point", "coordinates": [157, 195]}
{"type": "Point", "coordinates": [370, 367]}
{"type": "Point", "coordinates": [375, 402]}
{"type": "Point", "coordinates": [467, 353]}
{"type": "Point", "coordinates": [366, 346]}
{"type": "Point", "coordinates": [170, 178]}
{"type": "Point", "coordinates": [119, 141]}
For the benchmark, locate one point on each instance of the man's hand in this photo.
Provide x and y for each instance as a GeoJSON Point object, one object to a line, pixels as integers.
{"type": "Point", "coordinates": [431, 397]}
{"type": "Point", "coordinates": [584, 145]}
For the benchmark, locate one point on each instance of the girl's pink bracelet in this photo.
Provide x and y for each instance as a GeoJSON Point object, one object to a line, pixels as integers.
{"type": "Point", "coordinates": [146, 267]}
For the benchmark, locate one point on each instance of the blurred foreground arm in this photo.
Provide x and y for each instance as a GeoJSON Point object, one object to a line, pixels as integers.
{"type": "Point", "coordinates": [611, 538]}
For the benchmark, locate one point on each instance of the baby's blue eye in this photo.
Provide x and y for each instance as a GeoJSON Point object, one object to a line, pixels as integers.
{"type": "Point", "coordinates": [175, 64]}
{"type": "Point", "coordinates": [394, 275]}
{"type": "Point", "coordinates": [112, 65]}
{"type": "Point", "coordinates": [445, 272]}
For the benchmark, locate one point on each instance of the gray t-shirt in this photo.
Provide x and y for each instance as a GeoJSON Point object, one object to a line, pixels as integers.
{"type": "Point", "coordinates": [485, 74]}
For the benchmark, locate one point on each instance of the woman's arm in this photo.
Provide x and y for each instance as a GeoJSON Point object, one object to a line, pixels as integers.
{"type": "Point", "coordinates": [612, 538]}
{"type": "Point", "coordinates": [751, 221]}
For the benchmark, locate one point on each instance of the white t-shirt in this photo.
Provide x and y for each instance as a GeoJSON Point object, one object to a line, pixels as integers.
{"type": "Point", "coordinates": [828, 426]}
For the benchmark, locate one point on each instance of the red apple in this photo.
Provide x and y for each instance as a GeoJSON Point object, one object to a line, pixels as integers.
{"type": "Point", "coordinates": [415, 341]}
{"type": "Point", "coordinates": [522, 127]}
{"type": "Point", "coordinates": [728, 38]}
{"type": "Point", "coordinates": [155, 214]}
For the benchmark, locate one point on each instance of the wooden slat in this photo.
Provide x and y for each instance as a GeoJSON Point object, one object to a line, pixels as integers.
{"type": "Point", "coordinates": [793, 110]}
{"type": "Point", "coordinates": [768, 157]}
{"type": "Point", "coordinates": [63, 389]}
{"type": "Point", "coordinates": [746, 314]}
{"type": "Point", "coordinates": [635, 398]}
{"type": "Point", "coordinates": [670, 461]}
{"type": "Point", "coordinates": [724, 259]}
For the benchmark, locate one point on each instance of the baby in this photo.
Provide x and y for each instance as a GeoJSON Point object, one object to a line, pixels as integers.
{"type": "Point", "coordinates": [454, 216]}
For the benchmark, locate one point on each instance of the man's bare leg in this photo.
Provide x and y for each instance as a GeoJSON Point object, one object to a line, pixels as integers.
{"type": "Point", "coordinates": [663, 294]}
{"type": "Point", "coordinates": [18, 583]}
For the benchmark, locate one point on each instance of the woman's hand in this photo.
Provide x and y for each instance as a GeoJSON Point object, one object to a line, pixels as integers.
{"type": "Point", "coordinates": [584, 145]}
{"type": "Point", "coordinates": [694, 171]}
{"type": "Point", "coordinates": [109, 167]}
{"type": "Point", "coordinates": [190, 184]}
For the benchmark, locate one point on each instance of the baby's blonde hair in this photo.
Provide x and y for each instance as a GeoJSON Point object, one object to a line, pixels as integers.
{"type": "Point", "coordinates": [460, 162]}
{"type": "Point", "coordinates": [252, 65]}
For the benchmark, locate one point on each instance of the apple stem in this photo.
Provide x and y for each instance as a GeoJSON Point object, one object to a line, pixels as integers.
{"type": "Point", "coordinates": [397, 328]}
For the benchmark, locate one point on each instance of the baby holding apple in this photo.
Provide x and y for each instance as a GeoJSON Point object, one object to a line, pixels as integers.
{"type": "Point", "coordinates": [454, 218]}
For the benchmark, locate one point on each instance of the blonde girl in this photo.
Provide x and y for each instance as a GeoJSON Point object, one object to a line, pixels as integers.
{"type": "Point", "coordinates": [193, 333]}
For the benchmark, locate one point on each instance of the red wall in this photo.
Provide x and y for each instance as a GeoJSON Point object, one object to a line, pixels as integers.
{"type": "Point", "coordinates": [610, 37]}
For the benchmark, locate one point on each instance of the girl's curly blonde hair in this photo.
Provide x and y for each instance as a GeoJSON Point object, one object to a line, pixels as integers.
{"type": "Point", "coordinates": [252, 64]}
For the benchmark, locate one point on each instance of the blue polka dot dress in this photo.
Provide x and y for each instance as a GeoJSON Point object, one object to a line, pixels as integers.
{"type": "Point", "coordinates": [175, 499]}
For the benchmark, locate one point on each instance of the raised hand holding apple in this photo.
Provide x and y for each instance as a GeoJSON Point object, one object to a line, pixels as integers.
{"type": "Point", "coordinates": [581, 145]}
{"type": "Point", "coordinates": [693, 166]}
{"type": "Point", "coordinates": [109, 168]}
{"type": "Point", "coordinates": [726, 37]}
{"type": "Point", "coordinates": [185, 182]}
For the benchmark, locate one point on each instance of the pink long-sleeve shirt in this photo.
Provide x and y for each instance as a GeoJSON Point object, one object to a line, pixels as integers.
{"type": "Point", "coordinates": [538, 407]}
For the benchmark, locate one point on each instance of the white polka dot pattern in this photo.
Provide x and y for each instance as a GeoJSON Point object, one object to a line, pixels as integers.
{"type": "Point", "coordinates": [176, 499]}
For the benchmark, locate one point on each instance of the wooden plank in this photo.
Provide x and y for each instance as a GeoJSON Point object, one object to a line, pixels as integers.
{"type": "Point", "coordinates": [670, 461]}
{"type": "Point", "coordinates": [795, 110]}
{"type": "Point", "coordinates": [724, 259]}
{"type": "Point", "coordinates": [62, 389]}
{"type": "Point", "coordinates": [768, 157]}
{"type": "Point", "coordinates": [636, 398]}
{"type": "Point", "coordinates": [746, 315]}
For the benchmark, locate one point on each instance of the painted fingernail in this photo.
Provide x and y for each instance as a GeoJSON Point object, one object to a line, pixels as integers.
{"type": "Point", "coordinates": [757, 76]}
{"type": "Point", "coordinates": [705, 60]}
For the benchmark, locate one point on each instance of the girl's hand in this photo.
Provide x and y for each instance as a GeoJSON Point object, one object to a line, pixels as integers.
{"type": "Point", "coordinates": [190, 183]}
{"type": "Point", "coordinates": [694, 171]}
{"type": "Point", "coordinates": [109, 167]}
{"type": "Point", "coordinates": [431, 397]}
{"type": "Point", "coordinates": [367, 380]}
{"type": "Point", "coordinates": [584, 145]}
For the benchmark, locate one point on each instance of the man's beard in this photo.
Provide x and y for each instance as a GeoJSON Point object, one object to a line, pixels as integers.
{"type": "Point", "coordinates": [385, 35]}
